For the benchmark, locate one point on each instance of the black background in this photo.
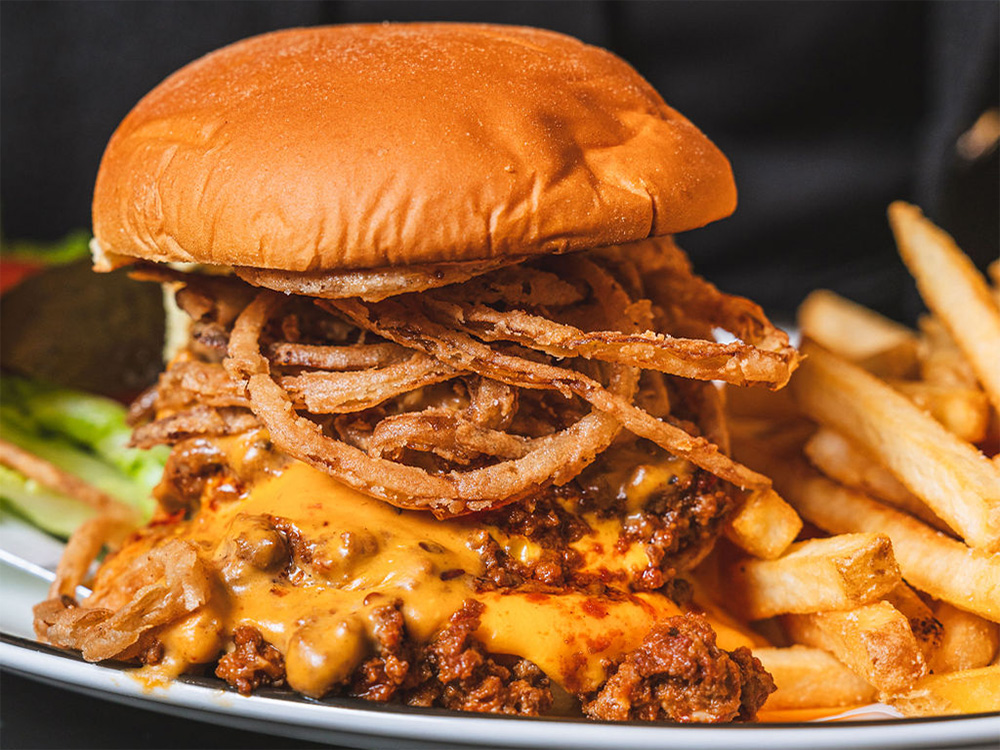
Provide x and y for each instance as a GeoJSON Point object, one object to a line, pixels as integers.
{"type": "Point", "coordinates": [828, 111]}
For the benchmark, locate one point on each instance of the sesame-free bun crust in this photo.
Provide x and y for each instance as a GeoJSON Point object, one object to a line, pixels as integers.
{"type": "Point", "coordinates": [356, 147]}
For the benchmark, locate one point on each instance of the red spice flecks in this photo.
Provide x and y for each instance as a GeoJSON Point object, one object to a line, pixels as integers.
{"type": "Point", "coordinates": [571, 667]}
{"type": "Point", "coordinates": [595, 608]}
{"type": "Point", "coordinates": [599, 644]}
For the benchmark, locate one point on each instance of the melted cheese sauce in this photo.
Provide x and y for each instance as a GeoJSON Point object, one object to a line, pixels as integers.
{"type": "Point", "coordinates": [358, 554]}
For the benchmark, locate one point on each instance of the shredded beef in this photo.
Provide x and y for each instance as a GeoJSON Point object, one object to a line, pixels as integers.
{"type": "Point", "coordinates": [679, 674]}
{"type": "Point", "coordinates": [254, 662]}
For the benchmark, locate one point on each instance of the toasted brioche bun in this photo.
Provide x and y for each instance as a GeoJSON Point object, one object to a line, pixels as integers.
{"type": "Point", "coordinates": [378, 146]}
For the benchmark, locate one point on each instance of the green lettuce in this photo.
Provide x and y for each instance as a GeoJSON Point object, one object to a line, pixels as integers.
{"type": "Point", "coordinates": [82, 434]}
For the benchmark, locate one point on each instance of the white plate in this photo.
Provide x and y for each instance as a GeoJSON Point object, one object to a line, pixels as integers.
{"type": "Point", "coordinates": [361, 724]}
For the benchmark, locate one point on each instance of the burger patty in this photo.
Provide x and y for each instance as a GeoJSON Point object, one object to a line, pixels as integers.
{"type": "Point", "coordinates": [677, 674]}
{"type": "Point", "coordinates": [676, 526]}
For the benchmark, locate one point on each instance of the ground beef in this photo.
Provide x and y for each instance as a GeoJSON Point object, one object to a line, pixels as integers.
{"type": "Point", "coordinates": [679, 674]}
{"type": "Point", "coordinates": [252, 663]}
{"type": "Point", "coordinates": [190, 466]}
{"type": "Point", "coordinates": [381, 677]}
{"type": "Point", "coordinates": [677, 526]}
{"type": "Point", "coordinates": [454, 671]}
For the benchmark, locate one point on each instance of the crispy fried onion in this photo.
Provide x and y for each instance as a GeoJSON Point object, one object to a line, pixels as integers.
{"type": "Point", "coordinates": [336, 358]}
{"type": "Point", "coordinates": [767, 358]}
{"type": "Point", "coordinates": [405, 323]}
{"type": "Point", "coordinates": [343, 392]}
{"type": "Point", "coordinates": [445, 433]}
{"type": "Point", "coordinates": [159, 587]}
{"type": "Point", "coordinates": [371, 284]}
{"type": "Point", "coordinates": [555, 458]}
{"type": "Point", "coordinates": [194, 422]}
{"type": "Point", "coordinates": [669, 281]}
{"type": "Point", "coordinates": [471, 396]}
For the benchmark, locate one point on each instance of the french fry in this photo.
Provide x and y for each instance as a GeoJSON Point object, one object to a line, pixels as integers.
{"type": "Point", "coordinates": [764, 525]}
{"type": "Point", "coordinates": [941, 361]}
{"type": "Point", "coordinates": [968, 641]}
{"type": "Point", "coordinates": [964, 411]}
{"type": "Point", "coordinates": [954, 289]}
{"type": "Point", "coordinates": [817, 575]}
{"type": "Point", "coordinates": [858, 334]}
{"type": "Point", "coordinates": [926, 628]}
{"type": "Point", "coordinates": [811, 678]}
{"type": "Point", "coordinates": [874, 641]}
{"type": "Point", "coordinates": [957, 481]}
{"type": "Point", "coordinates": [967, 692]}
{"type": "Point", "coordinates": [839, 458]}
{"type": "Point", "coordinates": [929, 561]}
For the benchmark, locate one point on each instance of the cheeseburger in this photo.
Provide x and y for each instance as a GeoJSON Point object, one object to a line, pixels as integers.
{"type": "Point", "coordinates": [443, 422]}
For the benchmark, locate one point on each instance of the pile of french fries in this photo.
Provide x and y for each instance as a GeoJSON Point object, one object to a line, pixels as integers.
{"type": "Point", "coordinates": [886, 446]}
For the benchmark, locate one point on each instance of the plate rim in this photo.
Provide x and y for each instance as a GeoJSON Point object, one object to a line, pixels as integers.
{"type": "Point", "coordinates": [373, 722]}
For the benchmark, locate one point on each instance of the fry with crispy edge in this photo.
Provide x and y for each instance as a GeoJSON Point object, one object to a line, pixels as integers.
{"type": "Point", "coordinates": [839, 458]}
{"type": "Point", "coordinates": [929, 561]}
{"type": "Point", "coordinates": [764, 525]}
{"type": "Point", "coordinates": [941, 361]}
{"type": "Point", "coordinates": [964, 411]}
{"type": "Point", "coordinates": [874, 641]}
{"type": "Point", "coordinates": [881, 346]}
{"type": "Point", "coordinates": [811, 678]}
{"type": "Point", "coordinates": [957, 481]}
{"type": "Point", "coordinates": [968, 641]}
{"type": "Point", "coordinates": [954, 289]}
{"type": "Point", "coordinates": [927, 629]}
{"type": "Point", "coordinates": [839, 572]}
{"type": "Point", "coordinates": [967, 692]}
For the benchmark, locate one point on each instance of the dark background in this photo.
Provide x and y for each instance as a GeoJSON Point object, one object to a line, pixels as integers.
{"type": "Point", "coordinates": [828, 111]}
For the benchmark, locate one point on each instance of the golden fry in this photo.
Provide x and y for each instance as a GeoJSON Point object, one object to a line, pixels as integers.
{"type": "Point", "coordinates": [941, 361]}
{"type": "Point", "coordinates": [968, 641]}
{"type": "Point", "coordinates": [874, 641]}
{"type": "Point", "coordinates": [811, 678]}
{"type": "Point", "coordinates": [957, 481]}
{"type": "Point", "coordinates": [818, 575]}
{"type": "Point", "coordinates": [840, 459]}
{"type": "Point", "coordinates": [927, 629]}
{"type": "Point", "coordinates": [858, 334]}
{"type": "Point", "coordinates": [929, 561]}
{"type": "Point", "coordinates": [964, 411]}
{"type": "Point", "coordinates": [967, 692]}
{"type": "Point", "coordinates": [954, 289]}
{"type": "Point", "coordinates": [764, 525]}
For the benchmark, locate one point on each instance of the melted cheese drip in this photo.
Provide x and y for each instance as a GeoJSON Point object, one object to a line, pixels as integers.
{"type": "Point", "coordinates": [365, 554]}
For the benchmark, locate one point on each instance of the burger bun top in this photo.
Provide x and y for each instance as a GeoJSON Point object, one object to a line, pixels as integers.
{"type": "Point", "coordinates": [362, 147]}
